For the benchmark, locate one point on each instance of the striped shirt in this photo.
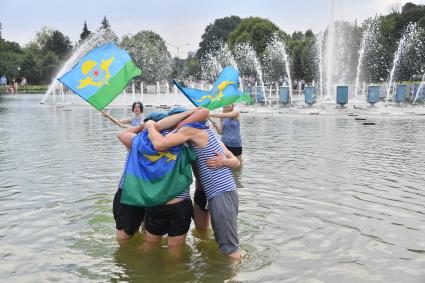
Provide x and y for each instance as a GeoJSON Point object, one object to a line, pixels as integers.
{"type": "Point", "coordinates": [214, 181]}
{"type": "Point", "coordinates": [121, 182]}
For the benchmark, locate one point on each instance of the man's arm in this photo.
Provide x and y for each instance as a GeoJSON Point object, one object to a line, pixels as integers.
{"type": "Point", "coordinates": [218, 127]}
{"type": "Point", "coordinates": [192, 115]}
{"type": "Point", "coordinates": [228, 159]}
{"type": "Point", "coordinates": [161, 143]}
{"type": "Point", "coordinates": [126, 136]}
{"type": "Point", "coordinates": [232, 114]}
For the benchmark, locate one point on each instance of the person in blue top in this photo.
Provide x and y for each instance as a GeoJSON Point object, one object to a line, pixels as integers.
{"type": "Point", "coordinates": [133, 121]}
{"type": "Point", "coordinates": [230, 129]}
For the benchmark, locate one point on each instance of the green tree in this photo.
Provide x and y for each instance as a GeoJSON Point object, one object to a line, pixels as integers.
{"type": "Point", "coordinates": [54, 41]}
{"type": "Point", "coordinates": [297, 35]}
{"type": "Point", "coordinates": [105, 23]}
{"type": "Point", "coordinates": [215, 34]}
{"type": "Point", "coordinates": [106, 31]}
{"type": "Point", "coordinates": [150, 54]}
{"type": "Point", "coordinates": [49, 65]}
{"type": "Point", "coordinates": [30, 69]}
{"type": "Point", "coordinates": [193, 68]}
{"type": "Point", "coordinates": [10, 57]}
{"type": "Point", "coordinates": [257, 32]}
{"type": "Point", "coordinates": [85, 32]}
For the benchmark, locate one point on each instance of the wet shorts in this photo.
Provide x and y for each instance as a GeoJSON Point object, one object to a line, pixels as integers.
{"type": "Point", "coordinates": [127, 217]}
{"type": "Point", "coordinates": [201, 200]}
{"type": "Point", "coordinates": [172, 219]}
{"type": "Point", "coordinates": [236, 150]}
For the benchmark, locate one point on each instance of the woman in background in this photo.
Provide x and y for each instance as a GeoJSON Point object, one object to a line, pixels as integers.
{"type": "Point", "coordinates": [133, 121]}
{"type": "Point", "coordinates": [230, 129]}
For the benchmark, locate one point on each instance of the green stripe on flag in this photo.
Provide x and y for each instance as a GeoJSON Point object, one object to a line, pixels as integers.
{"type": "Point", "coordinates": [115, 86]}
{"type": "Point", "coordinates": [154, 193]}
{"type": "Point", "coordinates": [227, 100]}
{"type": "Point", "coordinates": [148, 193]}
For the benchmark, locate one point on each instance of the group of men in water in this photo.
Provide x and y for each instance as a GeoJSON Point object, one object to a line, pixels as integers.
{"type": "Point", "coordinates": [215, 198]}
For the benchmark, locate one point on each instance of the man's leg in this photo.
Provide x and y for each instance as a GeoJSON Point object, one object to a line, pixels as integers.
{"type": "Point", "coordinates": [224, 213]}
{"type": "Point", "coordinates": [128, 219]}
{"type": "Point", "coordinates": [200, 211]}
{"type": "Point", "coordinates": [180, 215]}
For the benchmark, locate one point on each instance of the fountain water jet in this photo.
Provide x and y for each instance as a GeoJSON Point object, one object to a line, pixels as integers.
{"type": "Point", "coordinates": [404, 43]}
{"type": "Point", "coordinates": [275, 52]}
{"type": "Point", "coordinates": [368, 40]}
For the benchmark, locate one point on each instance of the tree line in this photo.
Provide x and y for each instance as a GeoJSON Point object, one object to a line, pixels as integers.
{"type": "Point", "coordinates": [40, 59]}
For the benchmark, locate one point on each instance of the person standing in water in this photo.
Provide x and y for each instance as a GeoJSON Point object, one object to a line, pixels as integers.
{"type": "Point", "coordinates": [128, 218]}
{"type": "Point", "coordinates": [132, 121]}
{"type": "Point", "coordinates": [216, 181]}
{"type": "Point", "coordinates": [230, 129]}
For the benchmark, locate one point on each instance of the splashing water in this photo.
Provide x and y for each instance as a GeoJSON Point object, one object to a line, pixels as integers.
{"type": "Point", "coordinates": [420, 88]}
{"type": "Point", "coordinates": [330, 51]}
{"type": "Point", "coordinates": [404, 44]}
{"type": "Point", "coordinates": [246, 58]}
{"type": "Point", "coordinates": [368, 40]}
{"type": "Point", "coordinates": [276, 53]}
{"type": "Point", "coordinates": [317, 60]}
{"type": "Point", "coordinates": [213, 63]}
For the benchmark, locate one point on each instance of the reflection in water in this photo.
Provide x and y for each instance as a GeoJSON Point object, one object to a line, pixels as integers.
{"type": "Point", "coordinates": [199, 261]}
{"type": "Point", "coordinates": [322, 199]}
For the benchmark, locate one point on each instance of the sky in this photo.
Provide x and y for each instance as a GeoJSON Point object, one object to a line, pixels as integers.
{"type": "Point", "coordinates": [180, 23]}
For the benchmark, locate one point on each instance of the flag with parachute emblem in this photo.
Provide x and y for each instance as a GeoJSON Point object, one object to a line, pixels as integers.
{"type": "Point", "coordinates": [101, 75]}
{"type": "Point", "coordinates": [224, 92]}
{"type": "Point", "coordinates": [153, 177]}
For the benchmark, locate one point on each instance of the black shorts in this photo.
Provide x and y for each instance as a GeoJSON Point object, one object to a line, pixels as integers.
{"type": "Point", "coordinates": [127, 217]}
{"type": "Point", "coordinates": [201, 200]}
{"type": "Point", "coordinates": [236, 150]}
{"type": "Point", "coordinates": [172, 219]}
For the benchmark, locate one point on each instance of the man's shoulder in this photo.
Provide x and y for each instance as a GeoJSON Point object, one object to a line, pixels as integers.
{"type": "Point", "coordinates": [189, 129]}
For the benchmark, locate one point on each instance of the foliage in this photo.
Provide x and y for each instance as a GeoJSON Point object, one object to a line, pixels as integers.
{"type": "Point", "coordinates": [10, 56]}
{"type": "Point", "coordinates": [85, 32]}
{"type": "Point", "coordinates": [216, 34]}
{"type": "Point", "coordinates": [105, 23]}
{"type": "Point", "coordinates": [150, 54]}
{"type": "Point", "coordinates": [257, 32]}
{"type": "Point", "coordinates": [39, 59]}
{"type": "Point", "coordinates": [54, 41]}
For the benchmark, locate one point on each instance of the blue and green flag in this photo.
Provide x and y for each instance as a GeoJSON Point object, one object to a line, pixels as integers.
{"type": "Point", "coordinates": [224, 92]}
{"type": "Point", "coordinates": [101, 75]}
{"type": "Point", "coordinates": [152, 178]}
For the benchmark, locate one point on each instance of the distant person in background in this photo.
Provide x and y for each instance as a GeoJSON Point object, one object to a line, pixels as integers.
{"type": "Point", "coordinates": [15, 88]}
{"type": "Point", "coordinates": [3, 83]}
{"type": "Point", "coordinates": [230, 129]}
{"type": "Point", "coordinates": [133, 121]}
{"type": "Point", "coordinates": [302, 84]}
{"type": "Point", "coordinates": [24, 84]}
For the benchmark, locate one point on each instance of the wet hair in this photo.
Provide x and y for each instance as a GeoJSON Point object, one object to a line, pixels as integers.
{"type": "Point", "coordinates": [134, 105]}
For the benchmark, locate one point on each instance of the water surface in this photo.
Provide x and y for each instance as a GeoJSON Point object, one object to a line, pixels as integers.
{"type": "Point", "coordinates": [323, 198]}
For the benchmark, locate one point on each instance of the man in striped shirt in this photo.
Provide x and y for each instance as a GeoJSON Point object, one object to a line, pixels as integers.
{"type": "Point", "coordinates": [215, 177]}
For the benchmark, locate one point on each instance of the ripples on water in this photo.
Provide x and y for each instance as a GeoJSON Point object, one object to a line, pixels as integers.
{"type": "Point", "coordinates": [322, 199]}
